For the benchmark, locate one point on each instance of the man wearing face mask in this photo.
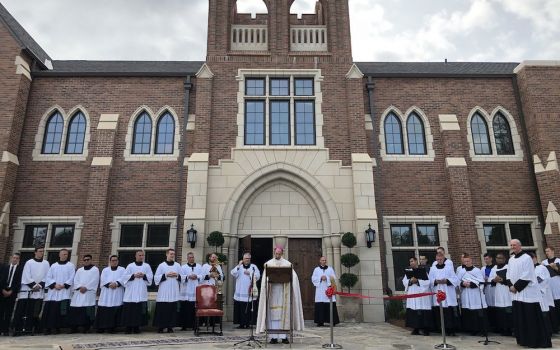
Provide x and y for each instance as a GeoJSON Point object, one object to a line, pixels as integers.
{"type": "Point", "coordinates": [82, 306]}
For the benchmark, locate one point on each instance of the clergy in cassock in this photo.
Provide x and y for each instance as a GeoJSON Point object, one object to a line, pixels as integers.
{"type": "Point", "coordinates": [191, 274]}
{"type": "Point", "coordinates": [473, 302]}
{"type": "Point", "coordinates": [279, 308]}
{"type": "Point", "coordinates": [447, 262]}
{"type": "Point", "coordinates": [528, 321]}
{"type": "Point", "coordinates": [59, 281]}
{"type": "Point", "coordinates": [443, 278]}
{"type": "Point", "coordinates": [244, 273]}
{"type": "Point", "coordinates": [212, 271]}
{"type": "Point", "coordinates": [419, 313]}
{"type": "Point", "coordinates": [110, 302]}
{"type": "Point", "coordinates": [136, 279]}
{"type": "Point", "coordinates": [552, 263]}
{"type": "Point", "coordinates": [546, 302]}
{"type": "Point", "coordinates": [322, 278]}
{"type": "Point", "coordinates": [31, 294]}
{"type": "Point", "coordinates": [168, 280]}
{"type": "Point", "coordinates": [501, 321]}
{"type": "Point", "coordinates": [82, 305]}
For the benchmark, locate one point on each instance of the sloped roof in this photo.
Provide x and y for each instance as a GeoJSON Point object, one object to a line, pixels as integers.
{"type": "Point", "coordinates": [122, 68]}
{"type": "Point", "coordinates": [434, 69]}
{"type": "Point", "coordinates": [25, 41]}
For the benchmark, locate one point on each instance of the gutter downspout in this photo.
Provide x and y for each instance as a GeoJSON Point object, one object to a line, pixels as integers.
{"type": "Point", "coordinates": [182, 151]}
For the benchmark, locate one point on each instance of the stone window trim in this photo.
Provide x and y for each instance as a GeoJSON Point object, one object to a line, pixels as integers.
{"type": "Point", "coordinates": [293, 74]}
{"type": "Point", "coordinates": [538, 244]}
{"type": "Point", "coordinates": [152, 157]}
{"type": "Point", "coordinates": [37, 154]}
{"type": "Point", "coordinates": [22, 221]}
{"type": "Point", "coordinates": [489, 118]}
{"type": "Point", "coordinates": [118, 221]}
{"type": "Point", "coordinates": [429, 138]}
{"type": "Point", "coordinates": [443, 228]}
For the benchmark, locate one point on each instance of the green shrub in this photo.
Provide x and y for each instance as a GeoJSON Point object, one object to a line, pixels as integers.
{"type": "Point", "coordinates": [348, 280]}
{"type": "Point", "coordinates": [349, 260]}
{"type": "Point", "coordinates": [395, 310]}
{"type": "Point", "coordinates": [349, 240]}
{"type": "Point", "coordinates": [215, 239]}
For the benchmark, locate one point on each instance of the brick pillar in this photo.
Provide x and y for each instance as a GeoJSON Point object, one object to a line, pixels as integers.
{"type": "Point", "coordinates": [462, 232]}
{"type": "Point", "coordinates": [204, 79]}
{"type": "Point", "coordinates": [279, 26]}
{"type": "Point", "coordinates": [355, 108]}
{"type": "Point", "coordinates": [96, 227]}
{"type": "Point", "coordinates": [548, 183]}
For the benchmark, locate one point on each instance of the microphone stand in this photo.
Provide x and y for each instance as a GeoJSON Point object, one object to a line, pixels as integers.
{"type": "Point", "coordinates": [485, 321]}
{"type": "Point", "coordinates": [251, 342]}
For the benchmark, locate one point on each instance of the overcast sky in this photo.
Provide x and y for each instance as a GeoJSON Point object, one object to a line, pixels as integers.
{"type": "Point", "coordinates": [382, 30]}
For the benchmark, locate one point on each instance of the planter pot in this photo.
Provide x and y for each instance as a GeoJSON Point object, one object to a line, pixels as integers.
{"type": "Point", "coordinates": [350, 310]}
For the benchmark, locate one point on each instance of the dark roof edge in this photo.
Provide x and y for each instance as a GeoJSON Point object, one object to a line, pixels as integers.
{"type": "Point", "coordinates": [436, 75]}
{"type": "Point", "coordinates": [110, 74]}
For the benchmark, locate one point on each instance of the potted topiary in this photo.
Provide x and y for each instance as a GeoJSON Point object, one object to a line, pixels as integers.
{"type": "Point", "coordinates": [348, 279]}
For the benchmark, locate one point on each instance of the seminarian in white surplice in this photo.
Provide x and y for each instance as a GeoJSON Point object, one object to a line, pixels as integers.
{"type": "Point", "coordinates": [279, 308]}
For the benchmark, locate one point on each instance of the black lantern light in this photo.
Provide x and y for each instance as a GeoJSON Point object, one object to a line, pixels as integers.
{"type": "Point", "coordinates": [191, 236]}
{"type": "Point", "coordinates": [370, 236]}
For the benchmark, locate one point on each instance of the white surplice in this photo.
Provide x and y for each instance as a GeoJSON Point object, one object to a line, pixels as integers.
{"type": "Point", "coordinates": [168, 287]}
{"type": "Point", "coordinates": [445, 272]}
{"type": "Point", "coordinates": [90, 280]}
{"type": "Point", "coordinates": [279, 310]}
{"type": "Point", "coordinates": [60, 274]}
{"type": "Point", "coordinates": [554, 281]}
{"type": "Point", "coordinates": [243, 282]}
{"type": "Point", "coordinates": [205, 272]}
{"type": "Point", "coordinates": [34, 272]}
{"type": "Point", "coordinates": [520, 267]}
{"type": "Point", "coordinates": [321, 286]}
{"type": "Point", "coordinates": [472, 298]}
{"type": "Point", "coordinates": [544, 279]}
{"type": "Point", "coordinates": [111, 297]}
{"type": "Point", "coordinates": [423, 286]}
{"type": "Point", "coordinates": [502, 295]}
{"type": "Point", "coordinates": [188, 285]}
{"type": "Point", "coordinates": [136, 289]}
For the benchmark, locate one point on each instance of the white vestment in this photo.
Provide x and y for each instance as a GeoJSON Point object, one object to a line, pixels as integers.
{"type": "Point", "coordinates": [472, 298]}
{"type": "Point", "coordinates": [279, 310]}
{"type": "Point", "coordinates": [188, 285]}
{"type": "Point", "coordinates": [321, 286]}
{"type": "Point", "coordinates": [243, 282]}
{"type": "Point", "coordinates": [205, 271]}
{"type": "Point", "coordinates": [554, 281]}
{"type": "Point", "coordinates": [136, 289]}
{"type": "Point", "coordinates": [168, 287]}
{"type": "Point", "coordinates": [446, 272]}
{"type": "Point", "coordinates": [502, 295]}
{"type": "Point", "coordinates": [448, 263]}
{"type": "Point", "coordinates": [423, 286]}
{"type": "Point", "coordinates": [543, 278]}
{"type": "Point", "coordinates": [111, 297]}
{"type": "Point", "coordinates": [34, 272]}
{"type": "Point", "coordinates": [60, 274]}
{"type": "Point", "coordinates": [90, 280]}
{"type": "Point", "coordinates": [520, 267]}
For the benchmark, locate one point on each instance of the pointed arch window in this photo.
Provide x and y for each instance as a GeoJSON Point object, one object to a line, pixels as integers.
{"type": "Point", "coordinates": [416, 136]}
{"type": "Point", "coordinates": [165, 134]}
{"type": "Point", "coordinates": [502, 135]}
{"type": "Point", "coordinates": [393, 135]}
{"type": "Point", "coordinates": [142, 134]}
{"type": "Point", "coordinates": [76, 134]}
{"type": "Point", "coordinates": [481, 138]}
{"type": "Point", "coordinates": [53, 134]}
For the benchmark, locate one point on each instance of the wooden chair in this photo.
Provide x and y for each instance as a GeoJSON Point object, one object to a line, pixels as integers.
{"type": "Point", "coordinates": [206, 305]}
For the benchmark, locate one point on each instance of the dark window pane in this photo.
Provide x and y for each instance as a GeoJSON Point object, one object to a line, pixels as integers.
{"type": "Point", "coordinates": [495, 235]}
{"type": "Point", "coordinates": [131, 235]}
{"type": "Point", "coordinates": [158, 236]}
{"type": "Point", "coordinates": [416, 139]}
{"type": "Point", "coordinates": [393, 135]}
{"type": "Point", "coordinates": [502, 134]}
{"type": "Point", "coordinates": [52, 256]}
{"type": "Point", "coordinates": [429, 254]}
{"type": "Point", "coordinates": [427, 235]}
{"type": "Point", "coordinates": [62, 236]}
{"type": "Point", "coordinates": [279, 87]}
{"type": "Point", "coordinates": [522, 232]}
{"type": "Point", "coordinates": [304, 87]}
{"type": "Point", "coordinates": [142, 134]}
{"type": "Point", "coordinates": [76, 134]}
{"type": "Point", "coordinates": [401, 235]}
{"type": "Point", "coordinates": [24, 256]}
{"type": "Point", "coordinates": [53, 134]}
{"type": "Point", "coordinates": [254, 87]}
{"type": "Point", "coordinates": [481, 140]}
{"type": "Point", "coordinates": [305, 122]}
{"type": "Point", "coordinates": [126, 257]}
{"type": "Point", "coordinates": [154, 258]}
{"type": "Point", "coordinates": [34, 236]}
{"type": "Point", "coordinates": [254, 123]}
{"type": "Point", "coordinates": [165, 134]}
{"type": "Point", "coordinates": [400, 262]}
{"type": "Point", "coordinates": [494, 252]}
{"type": "Point", "coordinates": [279, 123]}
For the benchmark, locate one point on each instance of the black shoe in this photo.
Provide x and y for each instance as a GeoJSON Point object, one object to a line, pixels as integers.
{"type": "Point", "coordinates": [160, 330]}
{"type": "Point", "coordinates": [170, 330]}
{"type": "Point", "coordinates": [285, 341]}
{"type": "Point", "coordinates": [426, 333]}
{"type": "Point", "coordinates": [239, 327]}
{"type": "Point", "coordinates": [274, 341]}
{"type": "Point", "coordinates": [101, 331]}
{"type": "Point", "coordinates": [56, 331]}
{"type": "Point", "coordinates": [47, 331]}
{"type": "Point", "coordinates": [415, 332]}
{"type": "Point", "coordinates": [183, 328]}
{"type": "Point", "coordinates": [320, 324]}
{"type": "Point", "coordinates": [136, 330]}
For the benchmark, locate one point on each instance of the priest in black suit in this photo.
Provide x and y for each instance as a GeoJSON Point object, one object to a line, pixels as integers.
{"type": "Point", "coordinates": [10, 282]}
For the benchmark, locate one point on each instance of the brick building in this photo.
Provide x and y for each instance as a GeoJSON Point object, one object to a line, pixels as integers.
{"type": "Point", "coordinates": [278, 138]}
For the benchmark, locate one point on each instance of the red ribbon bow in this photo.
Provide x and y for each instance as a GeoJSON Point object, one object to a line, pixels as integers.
{"type": "Point", "coordinates": [330, 291]}
{"type": "Point", "coordinates": [440, 296]}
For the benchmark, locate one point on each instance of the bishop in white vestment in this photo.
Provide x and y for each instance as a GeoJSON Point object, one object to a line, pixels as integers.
{"type": "Point", "coordinates": [110, 302]}
{"type": "Point", "coordinates": [278, 297]}
{"type": "Point", "coordinates": [59, 281]}
{"type": "Point", "coordinates": [243, 298]}
{"type": "Point", "coordinates": [323, 277]}
{"type": "Point", "coordinates": [168, 280]}
{"type": "Point", "coordinates": [136, 279]}
{"type": "Point", "coordinates": [82, 305]}
{"type": "Point", "coordinates": [191, 275]}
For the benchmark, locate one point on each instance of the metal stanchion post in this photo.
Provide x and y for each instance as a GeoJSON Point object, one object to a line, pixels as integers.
{"type": "Point", "coordinates": [443, 346]}
{"type": "Point", "coordinates": [332, 345]}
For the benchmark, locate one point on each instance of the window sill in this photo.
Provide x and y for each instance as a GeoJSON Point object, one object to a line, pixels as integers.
{"type": "Point", "coordinates": [496, 158]}
{"type": "Point", "coordinates": [408, 158]}
{"type": "Point", "coordinates": [59, 157]}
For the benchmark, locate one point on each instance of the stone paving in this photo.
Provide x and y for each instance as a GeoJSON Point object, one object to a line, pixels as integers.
{"type": "Point", "coordinates": [355, 336]}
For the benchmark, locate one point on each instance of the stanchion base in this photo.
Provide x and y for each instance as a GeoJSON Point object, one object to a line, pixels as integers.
{"type": "Point", "coordinates": [486, 342]}
{"type": "Point", "coordinates": [444, 346]}
{"type": "Point", "coordinates": [332, 346]}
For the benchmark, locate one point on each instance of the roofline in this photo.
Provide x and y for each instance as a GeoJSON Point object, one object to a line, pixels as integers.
{"type": "Point", "coordinates": [110, 74]}
{"type": "Point", "coordinates": [436, 75]}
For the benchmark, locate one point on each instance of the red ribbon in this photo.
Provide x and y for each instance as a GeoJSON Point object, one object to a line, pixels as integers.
{"type": "Point", "coordinates": [440, 295]}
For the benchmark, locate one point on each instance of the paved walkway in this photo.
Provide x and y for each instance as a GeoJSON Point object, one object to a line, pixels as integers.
{"type": "Point", "coordinates": [354, 336]}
